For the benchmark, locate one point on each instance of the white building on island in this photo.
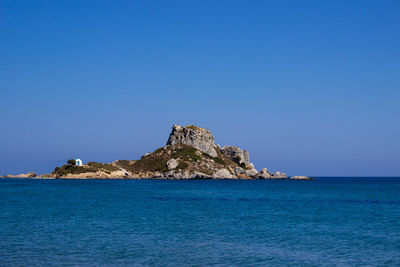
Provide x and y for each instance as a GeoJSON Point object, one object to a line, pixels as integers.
{"type": "Point", "coordinates": [78, 162]}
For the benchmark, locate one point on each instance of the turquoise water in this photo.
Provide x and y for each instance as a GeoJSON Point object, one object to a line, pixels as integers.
{"type": "Point", "coordinates": [328, 222]}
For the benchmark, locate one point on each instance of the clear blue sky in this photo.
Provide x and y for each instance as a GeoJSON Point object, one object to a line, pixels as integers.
{"type": "Point", "coordinates": [307, 87]}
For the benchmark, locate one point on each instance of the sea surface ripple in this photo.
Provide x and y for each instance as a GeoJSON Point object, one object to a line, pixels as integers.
{"type": "Point", "coordinates": [325, 222]}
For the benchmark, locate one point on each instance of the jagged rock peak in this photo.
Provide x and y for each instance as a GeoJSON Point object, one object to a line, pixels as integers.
{"type": "Point", "coordinates": [194, 136]}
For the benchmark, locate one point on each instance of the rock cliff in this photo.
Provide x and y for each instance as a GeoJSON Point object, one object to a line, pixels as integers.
{"type": "Point", "coordinates": [241, 157]}
{"type": "Point", "coordinates": [194, 136]}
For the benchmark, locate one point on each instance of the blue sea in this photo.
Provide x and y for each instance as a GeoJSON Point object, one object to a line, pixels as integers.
{"type": "Point", "coordinates": [325, 222]}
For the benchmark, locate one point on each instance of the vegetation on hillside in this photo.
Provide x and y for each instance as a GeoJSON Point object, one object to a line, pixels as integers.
{"type": "Point", "coordinates": [102, 167]}
{"type": "Point", "coordinates": [71, 168]}
{"type": "Point", "coordinates": [189, 158]}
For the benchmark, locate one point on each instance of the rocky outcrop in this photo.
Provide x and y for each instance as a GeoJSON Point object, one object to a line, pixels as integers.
{"type": "Point", "coordinates": [279, 175]}
{"type": "Point", "coordinates": [251, 173]}
{"type": "Point", "coordinates": [22, 175]}
{"type": "Point", "coordinates": [190, 153]}
{"type": "Point", "coordinates": [222, 174]}
{"type": "Point", "coordinates": [241, 157]}
{"type": "Point", "coordinates": [194, 136]}
{"type": "Point", "coordinates": [264, 174]}
{"type": "Point", "coordinates": [172, 164]}
{"type": "Point", "coordinates": [301, 178]}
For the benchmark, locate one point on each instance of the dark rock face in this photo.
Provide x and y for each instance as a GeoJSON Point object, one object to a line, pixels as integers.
{"type": "Point", "coordinates": [241, 157]}
{"type": "Point", "coordinates": [194, 136]}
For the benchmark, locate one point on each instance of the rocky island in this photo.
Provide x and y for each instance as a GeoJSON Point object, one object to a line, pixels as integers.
{"type": "Point", "coordinates": [190, 153]}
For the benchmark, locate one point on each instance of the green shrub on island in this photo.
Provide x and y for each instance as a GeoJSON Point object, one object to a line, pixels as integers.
{"type": "Point", "coordinates": [218, 159]}
{"type": "Point", "coordinates": [102, 166]}
{"type": "Point", "coordinates": [157, 161]}
{"type": "Point", "coordinates": [154, 162]}
{"type": "Point", "coordinates": [71, 162]}
{"type": "Point", "coordinates": [182, 166]}
{"type": "Point", "coordinates": [126, 164]}
{"type": "Point", "coordinates": [186, 153]}
{"type": "Point", "coordinates": [189, 158]}
{"type": "Point", "coordinates": [70, 168]}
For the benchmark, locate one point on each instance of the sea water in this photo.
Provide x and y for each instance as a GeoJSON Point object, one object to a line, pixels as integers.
{"type": "Point", "coordinates": [325, 222]}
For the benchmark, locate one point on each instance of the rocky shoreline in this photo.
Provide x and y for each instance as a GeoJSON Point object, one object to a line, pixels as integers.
{"type": "Point", "coordinates": [190, 153]}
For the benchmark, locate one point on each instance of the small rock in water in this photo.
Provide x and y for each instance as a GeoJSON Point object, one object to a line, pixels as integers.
{"type": "Point", "coordinates": [280, 175]}
{"type": "Point", "coordinates": [301, 178]}
{"type": "Point", "coordinates": [264, 174]}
